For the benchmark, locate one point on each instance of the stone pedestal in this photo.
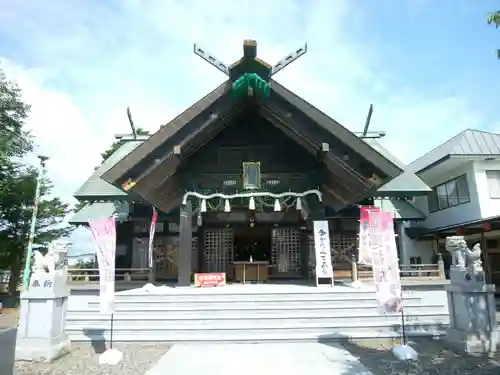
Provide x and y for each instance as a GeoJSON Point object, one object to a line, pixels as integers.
{"type": "Point", "coordinates": [471, 303]}
{"type": "Point", "coordinates": [41, 336]}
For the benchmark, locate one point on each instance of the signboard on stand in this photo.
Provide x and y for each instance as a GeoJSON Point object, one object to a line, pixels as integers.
{"type": "Point", "coordinates": [323, 253]}
{"type": "Point", "coordinates": [209, 279]}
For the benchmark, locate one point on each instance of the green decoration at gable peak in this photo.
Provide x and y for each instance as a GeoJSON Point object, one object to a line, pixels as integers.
{"type": "Point", "coordinates": [251, 84]}
{"type": "Point", "coordinates": [250, 74]}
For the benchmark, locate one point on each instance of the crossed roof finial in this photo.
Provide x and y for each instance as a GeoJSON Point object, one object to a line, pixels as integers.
{"type": "Point", "coordinates": [249, 63]}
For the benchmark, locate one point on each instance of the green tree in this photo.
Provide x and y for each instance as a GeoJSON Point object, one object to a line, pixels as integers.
{"type": "Point", "coordinates": [494, 19]}
{"type": "Point", "coordinates": [79, 205]}
{"type": "Point", "coordinates": [17, 188]}
{"type": "Point", "coordinates": [84, 264]}
{"type": "Point", "coordinates": [16, 209]}
{"type": "Point", "coordinates": [116, 144]}
{"type": "Point", "coordinates": [14, 140]}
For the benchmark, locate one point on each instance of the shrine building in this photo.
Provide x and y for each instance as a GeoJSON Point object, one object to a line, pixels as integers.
{"type": "Point", "coordinates": [242, 174]}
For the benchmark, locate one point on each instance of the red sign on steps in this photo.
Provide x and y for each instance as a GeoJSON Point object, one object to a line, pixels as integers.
{"type": "Point", "coordinates": [210, 279]}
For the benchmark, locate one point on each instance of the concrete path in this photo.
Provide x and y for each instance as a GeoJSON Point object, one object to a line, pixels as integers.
{"type": "Point", "coordinates": [7, 347]}
{"type": "Point", "coordinates": [250, 359]}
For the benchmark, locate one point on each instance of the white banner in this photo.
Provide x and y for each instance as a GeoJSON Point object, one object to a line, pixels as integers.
{"type": "Point", "coordinates": [385, 262]}
{"type": "Point", "coordinates": [365, 251]}
{"type": "Point", "coordinates": [322, 249]}
{"type": "Point", "coordinates": [104, 234]}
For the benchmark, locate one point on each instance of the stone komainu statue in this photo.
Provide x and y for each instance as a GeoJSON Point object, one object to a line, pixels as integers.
{"type": "Point", "coordinates": [473, 256]}
{"type": "Point", "coordinates": [43, 263]}
{"type": "Point", "coordinates": [462, 256]}
{"type": "Point", "coordinates": [51, 261]}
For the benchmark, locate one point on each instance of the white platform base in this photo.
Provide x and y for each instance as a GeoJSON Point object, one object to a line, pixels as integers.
{"type": "Point", "coordinates": [110, 357]}
{"type": "Point", "coordinates": [357, 284]}
{"type": "Point", "coordinates": [405, 353]}
{"type": "Point", "coordinates": [149, 287]}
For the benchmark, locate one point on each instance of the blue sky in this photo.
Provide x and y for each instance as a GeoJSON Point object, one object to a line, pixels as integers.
{"type": "Point", "coordinates": [429, 67]}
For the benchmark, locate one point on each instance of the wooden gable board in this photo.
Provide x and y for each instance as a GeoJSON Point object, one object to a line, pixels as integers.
{"type": "Point", "coordinates": [343, 134]}
{"type": "Point", "coordinates": [118, 171]}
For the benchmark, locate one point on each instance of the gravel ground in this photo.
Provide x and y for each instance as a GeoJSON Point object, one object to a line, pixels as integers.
{"type": "Point", "coordinates": [83, 359]}
{"type": "Point", "coordinates": [436, 358]}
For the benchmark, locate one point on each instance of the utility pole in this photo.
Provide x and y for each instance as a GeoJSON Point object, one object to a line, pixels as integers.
{"type": "Point", "coordinates": [29, 250]}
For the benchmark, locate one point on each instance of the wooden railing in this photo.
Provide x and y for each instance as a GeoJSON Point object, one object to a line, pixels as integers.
{"type": "Point", "coordinates": [407, 271]}
{"type": "Point", "coordinates": [85, 275]}
{"type": "Point", "coordinates": [357, 272]}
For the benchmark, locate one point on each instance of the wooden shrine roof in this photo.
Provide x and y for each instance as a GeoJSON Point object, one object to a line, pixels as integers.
{"type": "Point", "coordinates": [152, 165]}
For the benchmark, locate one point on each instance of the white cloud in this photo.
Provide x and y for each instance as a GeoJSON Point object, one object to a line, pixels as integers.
{"type": "Point", "coordinates": [81, 64]}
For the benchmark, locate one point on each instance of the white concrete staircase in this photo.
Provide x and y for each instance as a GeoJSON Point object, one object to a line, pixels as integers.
{"type": "Point", "coordinates": [252, 314]}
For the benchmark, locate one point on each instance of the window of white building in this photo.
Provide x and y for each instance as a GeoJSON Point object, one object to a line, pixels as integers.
{"type": "Point", "coordinates": [450, 194]}
{"type": "Point", "coordinates": [493, 178]}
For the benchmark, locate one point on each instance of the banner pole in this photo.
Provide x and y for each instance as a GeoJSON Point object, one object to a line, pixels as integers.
{"type": "Point", "coordinates": [104, 234]}
{"type": "Point", "coordinates": [31, 238]}
{"type": "Point", "coordinates": [390, 295]}
{"type": "Point", "coordinates": [403, 324]}
{"type": "Point", "coordinates": [111, 333]}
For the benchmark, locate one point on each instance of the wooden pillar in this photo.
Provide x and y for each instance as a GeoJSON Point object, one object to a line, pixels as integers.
{"type": "Point", "coordinates": [185, 245]}
{"type": "Point", "coordinates": [486, 258]}
{"type": "Point", "coordinates": [201, 249]}
{"type": "Point", "coordinates": [399, 232]}
{"type": "Point", "coordinates": [441, 270]}
{"type": "Point", "coordinates": [125, 236]}
{"type": "Point", "coordinates": [304, 253]}
{"type": "Point", "coordinates": [354, 267]}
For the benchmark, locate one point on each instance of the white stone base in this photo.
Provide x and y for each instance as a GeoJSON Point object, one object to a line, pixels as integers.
{"type": "Point", "coordinates": [41, 335]}
{"type": "Point", "coordinates": [110, 357]}
{"type": "Point", "coordinates": [34, 350]}
{"type": "Point", "coordinates": [405, 353]}
{"type": "Point", "coordinates": [357, 284]}
{"type": "Point", "coordinates": [472, 342]}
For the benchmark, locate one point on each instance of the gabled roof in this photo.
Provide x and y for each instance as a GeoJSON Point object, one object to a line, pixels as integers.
{"type": "Point", "coordinates": [95, 186]}
{"type": "Point", "coordinates": [343, 134]}
{"type": "Point", "coordinates": [93, 211]}
{"type": "Point", "coordinates": [148, 169]}
{"type": "Point", "coordinates": [401, 208]}
{"type": "Point", "coordinates": [407, 183]}
{"type": "Point", "coordinates": [165, 133]}
{"type": "Point", "coordinates": [470, 142]}
{"type": "Point", "coordinates": [176, 131]}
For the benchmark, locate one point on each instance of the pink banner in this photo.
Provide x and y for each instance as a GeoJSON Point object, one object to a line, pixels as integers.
{"type": "Point", "coordinates": [385, 261]}
{"type": "Point", "coordinates": [365, 251]}
{"type": "Point", "coordinates": [152, 229]}
{"type": "Point", "coordinates": [104, 234]}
